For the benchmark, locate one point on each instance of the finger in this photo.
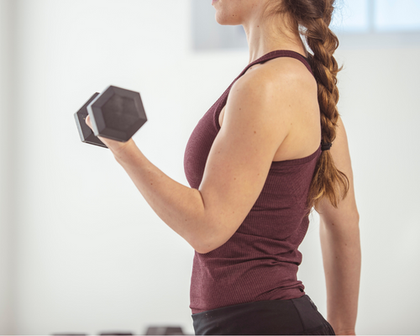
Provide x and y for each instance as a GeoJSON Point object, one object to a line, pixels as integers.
{"type": "Point", "coordinates": [88, 122]}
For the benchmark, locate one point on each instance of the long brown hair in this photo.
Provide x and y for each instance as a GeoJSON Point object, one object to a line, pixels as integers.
{"type": "Point", "coordinates": [311, 19]}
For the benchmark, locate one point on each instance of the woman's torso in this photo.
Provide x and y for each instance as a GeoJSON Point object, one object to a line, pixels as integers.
{"type": "Point", "coordinates": [260, 261]}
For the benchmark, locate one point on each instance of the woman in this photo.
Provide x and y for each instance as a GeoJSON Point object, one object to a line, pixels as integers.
{"type": "Point", "coordinates": [271, 148]}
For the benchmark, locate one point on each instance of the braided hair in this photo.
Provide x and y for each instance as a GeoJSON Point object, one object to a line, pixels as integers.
{"type": "Point", "coordinates": [311, 19]}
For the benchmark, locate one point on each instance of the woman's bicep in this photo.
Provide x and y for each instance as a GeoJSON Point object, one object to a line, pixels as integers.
{"type": "Point", "coordinates": [241, 156]}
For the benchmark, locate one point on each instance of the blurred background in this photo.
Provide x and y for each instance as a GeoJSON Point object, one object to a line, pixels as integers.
{"type": "Point", "coordinates": [81, 251]}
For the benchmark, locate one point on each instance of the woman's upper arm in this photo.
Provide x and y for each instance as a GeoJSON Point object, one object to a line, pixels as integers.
{"type": "Point", "coordinates": [347, 209]}
{"type": "Point", "coordinates": [256, 121]}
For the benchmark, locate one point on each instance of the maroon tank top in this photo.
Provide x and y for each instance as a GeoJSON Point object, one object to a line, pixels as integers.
{"type": "Point", "coordinates": [260, 261]}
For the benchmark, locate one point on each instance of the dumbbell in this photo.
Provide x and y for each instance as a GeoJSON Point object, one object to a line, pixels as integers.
{"type": "Point", "coordinates": [116, 114]}
{"type": "Point", "coordinates": [164, 330]}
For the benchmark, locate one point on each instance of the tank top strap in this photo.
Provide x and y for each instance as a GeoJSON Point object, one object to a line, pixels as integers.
{"type": "Point", "coordinates": [275, 54]}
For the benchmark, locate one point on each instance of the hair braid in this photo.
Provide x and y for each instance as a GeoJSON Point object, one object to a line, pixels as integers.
{"type": "Point", "coordinates": [311, 18]}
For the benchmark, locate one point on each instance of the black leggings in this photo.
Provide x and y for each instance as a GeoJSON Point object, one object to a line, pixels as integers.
{"type": "Point", "coordinates": [275, 317]}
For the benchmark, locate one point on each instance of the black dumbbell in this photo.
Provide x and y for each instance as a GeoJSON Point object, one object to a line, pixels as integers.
{"type": "Point", "coordinates": [116, 114]}
{"type": "Point", "coordinates": [164, 330]}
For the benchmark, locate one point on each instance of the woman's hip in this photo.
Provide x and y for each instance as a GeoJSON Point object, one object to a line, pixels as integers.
{"type": "Point", "coordinates": [273, 317]}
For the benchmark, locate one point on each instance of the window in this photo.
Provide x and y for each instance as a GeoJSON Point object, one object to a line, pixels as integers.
{"type": "Point", "coordinates": [369, 16]}
{"type": "Point", "coordinates": [377, 23]}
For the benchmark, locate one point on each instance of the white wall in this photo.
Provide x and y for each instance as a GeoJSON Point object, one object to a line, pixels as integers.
{"type": "Point", "coordinates": [89, 253]}
{"type": "Point", "coordinates": [6, 167]}
{"type": "Point", "coordinates": [380, 106]}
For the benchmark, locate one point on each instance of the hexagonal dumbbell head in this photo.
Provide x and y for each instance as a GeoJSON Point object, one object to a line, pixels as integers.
{"type": "Point", "coordinates": [117, 114]}
{"type": "Point", "coordinates": [86, 134]}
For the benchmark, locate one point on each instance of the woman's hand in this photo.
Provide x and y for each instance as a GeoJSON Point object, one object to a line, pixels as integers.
{"type": "Point", "coordinates": [116, 147]}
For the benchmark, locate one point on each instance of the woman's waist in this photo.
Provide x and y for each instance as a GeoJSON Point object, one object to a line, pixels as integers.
{"type": "Point", "coordinates": [219, 297]}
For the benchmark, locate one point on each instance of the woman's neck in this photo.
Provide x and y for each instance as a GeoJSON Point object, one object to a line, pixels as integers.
{"type": "Point", "coordinates": [264, 36]}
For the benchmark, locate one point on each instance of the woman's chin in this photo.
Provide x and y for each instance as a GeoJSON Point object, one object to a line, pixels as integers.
{"type": "Point", "coordinates": [226, 20]}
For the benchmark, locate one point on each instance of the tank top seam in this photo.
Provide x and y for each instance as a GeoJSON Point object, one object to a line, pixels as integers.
{"type": "Point", "coordinates": [299, 161]}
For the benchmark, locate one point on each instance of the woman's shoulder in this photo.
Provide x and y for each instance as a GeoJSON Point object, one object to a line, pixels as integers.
{"type": "Point", "coordinates": [284, 93]}
{"type": "Point", "coordinates": [282, 73]}
{"type": "Point", "coordinates": [280, 80]}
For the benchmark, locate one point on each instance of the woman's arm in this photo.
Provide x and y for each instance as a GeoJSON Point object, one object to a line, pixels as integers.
{"type": "Point", "coordinates": [257, 119]}
{"type": "Point", "coordinates": [340, 242]}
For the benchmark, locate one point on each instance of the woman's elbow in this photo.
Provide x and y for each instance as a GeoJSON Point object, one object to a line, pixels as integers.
{"type": "Point", "coordinates": [208, 242]}
{"type": "Point", "coordinates": [206, 245]}
{"type": "Point", "coordinates": [202, 247]}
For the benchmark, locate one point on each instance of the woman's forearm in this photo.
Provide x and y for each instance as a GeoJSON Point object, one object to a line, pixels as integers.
{"type": "Point", "coordinates": [342, 263]}
{"type": "Point", "coordinates": [180, 207]}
